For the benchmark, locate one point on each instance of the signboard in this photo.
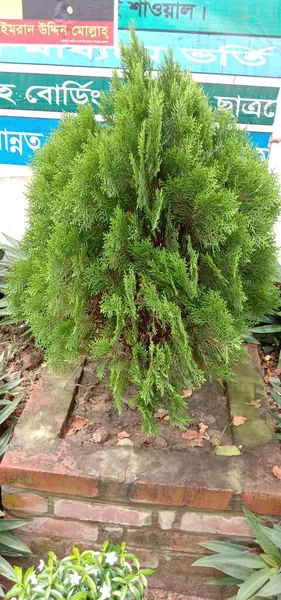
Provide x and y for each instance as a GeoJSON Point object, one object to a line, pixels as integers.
{"type": "Point", "coordinates": [51, 92]}
{"type": "Point", "coordinates": [68, 22]}
{"type": "Point", "coordinates": [59, 54]}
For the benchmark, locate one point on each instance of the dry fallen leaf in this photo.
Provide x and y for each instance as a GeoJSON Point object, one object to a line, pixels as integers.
{"type": "Point", "coordinates": [123, 435]}
{"type": "Point", "coordinates": [191, 434]}
{"type": "Point", "coordinates": [199, 442]}
{"type": "Point", "coordinates": [227, 451]}
{"type": "Point", "coordinates": [77, 424]}
{"type": "Point", "coordinates": [186, 393]}
{"type": "Point", "coordinates": [202, 428]}
{"type": "Point", "coordinates": [237, 421]}
{"type": "Point", "coordinates": [167, 418]}
{"type": "Point", "coordinates": [255, 403]}
{"type": "Point", "coordinates": [161, 413]}
{"type": "Point", "coordinates": [125, 442]}
{"type": "Point", "coordinates": [277, 471]}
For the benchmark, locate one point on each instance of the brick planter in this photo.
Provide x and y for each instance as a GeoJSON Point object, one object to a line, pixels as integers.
{"type": "Point", "coordinates": [162, 503]}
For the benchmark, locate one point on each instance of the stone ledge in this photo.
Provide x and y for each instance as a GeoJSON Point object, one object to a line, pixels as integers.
{"type": "Point", "coordinates": [39, 460]}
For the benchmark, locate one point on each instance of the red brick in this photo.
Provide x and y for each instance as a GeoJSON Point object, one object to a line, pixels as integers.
{"type": "Point", "coordinates": [102, 513]}
{"type": "Point", "coordinates": [262, 503]}
{"type": "Point", "coordinates": [62, 529]}
{"type": "Point", "coordinates": [213, 499]}
{"type": "Point", "coordinates": [30, 503]}
{"type": "Point", "coordinates": [215, 524]}
{"type": "Point", "coordinates": [43, 473]}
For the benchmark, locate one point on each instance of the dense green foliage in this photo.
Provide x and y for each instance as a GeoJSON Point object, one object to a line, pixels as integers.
{"type": "Point", "coordinates": [89, 575]}
{"type": "Point", "coordinates": [150, 240]}
{"type": "Point", "coordinates": [256, 572]}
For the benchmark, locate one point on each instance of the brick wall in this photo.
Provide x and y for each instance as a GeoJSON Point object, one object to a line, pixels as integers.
{"type": "Point", "coordinates": [166, 540]}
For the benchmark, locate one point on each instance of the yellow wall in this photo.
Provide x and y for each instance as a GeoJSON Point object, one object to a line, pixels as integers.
{"type": "Point", "coordinates": [10, 9]}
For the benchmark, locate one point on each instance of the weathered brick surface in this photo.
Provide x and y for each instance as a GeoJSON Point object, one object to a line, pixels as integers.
{"type": "Point", "coordinates": [27, 503]}
{"type": "Point", "coordinates": [263, 503]}
{"type": "Point", "coordinates": [215, 524]}
{"type": "Point", "coordinates": [102, 513]}
{"type": "Point", "coordinates": [155, 539]}
{"type": "Point", "coordinates": [153, 493]}
{"type": "Point", "coordinates": [166, 518]}
{"type": "Point", "coordinates": [62, 529]}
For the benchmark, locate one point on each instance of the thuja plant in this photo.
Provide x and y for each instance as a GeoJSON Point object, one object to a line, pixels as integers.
{"type": "Point", "coordinates": [150, 242]}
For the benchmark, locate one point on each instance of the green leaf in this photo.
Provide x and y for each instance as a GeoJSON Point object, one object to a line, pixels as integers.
{"type": "Point", "coordinates": [6, 569]}
{"type": "Point", "coordinates": [13, 541]}
{"type": "Point", "coordinates": [15, 243]}
{"type": "Point", "coordinates": [271, 561]}
{"type": "Point", "coordinates": [224, 580]}
{"type": "Point", "coordinates": [9, 409]}
{"type": "Point", "coordinates": [237, 571]}
{"type": "Point", "coordinates": [227, 451]}
{"type": "Point", "coordinates": [253, 584]}
{"type": "Point", "coordinates": [245, 560]}
{"type": "Point", "coordinates": [7, 525]}
{"type": "Point", "coordinates": [223, 547]}
{"type": "Point", "coordinates": [4, 441]}
{"type": "Point", "coordinates": [276, 397]}
{"type": "Point", "coordinates": [250, 339]}
{"type": "Point", "coordinates": [266, 329]}
{"type": "Point", "coordinates": [272, 588]}
{"type": "Point", "coordinates": [262, 538]}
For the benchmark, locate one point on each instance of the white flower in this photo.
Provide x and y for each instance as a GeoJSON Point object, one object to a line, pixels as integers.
{"type": "Point", "coordinates": [74, 578]}
{"type": "Point", "coordinates": [41, 565]}
{"type": "Point", "coordinates": [111, 558]}
{"type": "Point", "coordinates": [33, 580]}
{"type": "Point", "coordinates": [105, 590]}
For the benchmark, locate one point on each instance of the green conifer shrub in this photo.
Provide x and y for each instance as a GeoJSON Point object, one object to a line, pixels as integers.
{"type": "Point", "coordinates": [150, 242]}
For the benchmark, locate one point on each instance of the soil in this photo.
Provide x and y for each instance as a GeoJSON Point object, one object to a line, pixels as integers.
{"type": "Point", "coordinates": [22, 360]}
{"type": "Point", "coordinates": [95, 420]}
{"type": "Point", "coordinates": [270, 358]}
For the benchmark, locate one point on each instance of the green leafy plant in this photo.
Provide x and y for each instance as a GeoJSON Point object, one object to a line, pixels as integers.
{"type": "Point", "coordinates": [7, 406]}
{"type": "Point", "coordinates": [9, 254]}
{"type": "Point", "coordinates": [257, 572]}
{"type": "Point", "coordinates": [10, 545]}
{"type": "Point", "coordinates": [111, 573]}
{"type": "Point", "coordinates": [150, 242]}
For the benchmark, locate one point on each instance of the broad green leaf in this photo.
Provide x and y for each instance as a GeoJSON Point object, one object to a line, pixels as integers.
{"type": "Point", "coordinates": [250, 339]}
{"type": "Point", "coordinates": [224, 580]}
{"type": "Point", "coordinates": [4, 441]}
{"type": "Point", "coordinates": [275, 328]}
{"type": "Point", "coordinates": [253, 584]}
{"type": "Point", "coordinates": [276, 386]}
{"type": "Point", "coordinates": [271, 561]}
{"type": "Point", "coordinates": [7, 411]}
{"type": "Point", "coordinates": [272, 588]}
{"type": "Point", "coordinates": [262, 537]}
{"type": "Point", "coordinates": [225, 547]}
{"type": "Point", "coordinates": [6, 569]}
{"type": "Point", "coordinates": [6, 525]}
{"type": "Point", "coordinates": [12, 540]}
{"type": "Point", "coordinates": [237, 571]}
{"type": "Point", "coordinates": [276, 397]}
{"type": "Point", "coordinates": [15, 243]}
{"type": "Point", "coordinates": [251, 561]}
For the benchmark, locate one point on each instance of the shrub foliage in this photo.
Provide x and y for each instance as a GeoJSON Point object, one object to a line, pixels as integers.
{"type": "Point", "coordinates": [150, 241]}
